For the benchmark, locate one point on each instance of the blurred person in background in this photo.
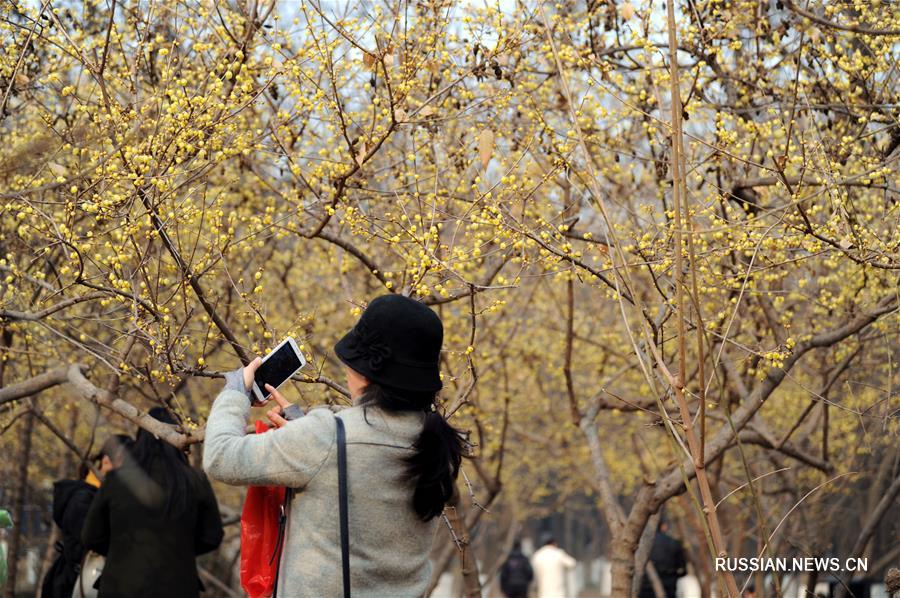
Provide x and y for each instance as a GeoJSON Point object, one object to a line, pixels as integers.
{"type": "Point", "coordinates": [71, 501]}
{"type": "Point", "coordinates": [151, 518]}
{"type": "Point", "coordinates": [667, 556]}
{"type": "Point", "coordinates": [516, 573]}
{"type": "Point", "coordinates": [551, 567]}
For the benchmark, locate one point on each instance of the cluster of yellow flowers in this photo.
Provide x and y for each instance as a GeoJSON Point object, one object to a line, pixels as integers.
{"type": "Point", "coordinates": [278, 174]}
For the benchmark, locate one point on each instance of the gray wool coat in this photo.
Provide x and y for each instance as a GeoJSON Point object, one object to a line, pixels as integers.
{"type": "Point", "coordinates": [389, 544]}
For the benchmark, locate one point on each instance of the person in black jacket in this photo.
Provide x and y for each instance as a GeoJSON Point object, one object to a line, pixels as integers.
{"type": "Point", "coordinates": [667, 556]}
{"type": "Point", "coordinates": [71, 501]}
{"type": "Point", "coordinates": [151, 518]}
{"type": "Point", "coordinates": [516, 573]}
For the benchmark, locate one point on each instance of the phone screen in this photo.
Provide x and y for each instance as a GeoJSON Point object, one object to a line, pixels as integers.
{"type": "Point", "coordinates": [280, 366]}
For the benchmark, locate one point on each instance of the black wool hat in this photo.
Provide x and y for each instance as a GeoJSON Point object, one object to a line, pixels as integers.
{"type": "Point", "coordinates": [397, 343]}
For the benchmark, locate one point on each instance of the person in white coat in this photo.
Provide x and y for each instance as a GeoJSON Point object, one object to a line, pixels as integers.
{"type": "Point", "coordinates": [551, 565]}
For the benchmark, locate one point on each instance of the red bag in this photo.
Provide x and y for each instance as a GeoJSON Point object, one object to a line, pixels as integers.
{"type": "Point", "coordinates": [259, 536]}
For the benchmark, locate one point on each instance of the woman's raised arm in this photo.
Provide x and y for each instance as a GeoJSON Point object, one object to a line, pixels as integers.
{"type": "Point", "coordinates": [287, 456]}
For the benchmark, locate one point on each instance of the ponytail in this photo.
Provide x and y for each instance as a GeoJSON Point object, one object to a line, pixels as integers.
{"type": "Point", "coordinates": [434, 465]}
{"type": "Point", "coordinates": [437, 452]}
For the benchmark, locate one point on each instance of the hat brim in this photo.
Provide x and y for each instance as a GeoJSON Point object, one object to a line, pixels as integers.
{"type": "Point", "coordinates": [390, 373]}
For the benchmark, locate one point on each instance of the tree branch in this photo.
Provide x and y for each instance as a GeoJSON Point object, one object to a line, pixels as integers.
{"type": "Point", "coordinates": [754, 437]}
{"type": "Point", "coordinates": [74, 374]}
{"type": "Point", "coordinates": [832, 25]}
{"type": "Point", "coordinates": [34, 385]}
{"type": "Point", "coordinates": [9, 314]}
{"type": "Point", "coordinates": [672, 482]}
{"type": "Point", "coordinates": [101, 397]}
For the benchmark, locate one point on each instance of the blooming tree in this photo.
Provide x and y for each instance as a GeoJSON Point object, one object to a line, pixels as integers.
{"type": "Point", "coordinates": [663, 239]}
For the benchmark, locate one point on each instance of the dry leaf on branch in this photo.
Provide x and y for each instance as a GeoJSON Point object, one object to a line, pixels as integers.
{"type": "Point", "coordinates": [485, 146]}
{"type": "Point", "coordinates": [57, 169]}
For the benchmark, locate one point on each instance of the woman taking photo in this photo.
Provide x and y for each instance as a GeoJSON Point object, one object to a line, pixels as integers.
{"type": "Point", "coordinates": [402, 459]}
{"type": "Point", "coordinates": [151, 518]}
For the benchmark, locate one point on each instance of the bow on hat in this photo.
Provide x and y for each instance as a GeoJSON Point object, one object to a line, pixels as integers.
{"type": "Point", "coordinates": [367, 344]}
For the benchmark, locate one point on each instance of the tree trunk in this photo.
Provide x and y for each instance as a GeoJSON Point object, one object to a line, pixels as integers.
{"type": "Point", "coordinates": [445, 556]}
{"type": "Point", "coordinates": [865, 536]}
{"type": "Point", "coordinates": [626, 538]}
{"type": "Point", "coordinates": [622, 566]}
{"type": "Point", "coordinates": [642, 554]}
{"type": "Point", "coordinates": [456, 519]}
{"type": "Point", "coordinates": [690, 525]}
{"type": "Point", "coordinates": [21, 486]}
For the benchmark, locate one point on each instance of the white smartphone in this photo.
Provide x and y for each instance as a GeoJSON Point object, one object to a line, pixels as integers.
{"type": "Point", "coordinates": [277, 367]}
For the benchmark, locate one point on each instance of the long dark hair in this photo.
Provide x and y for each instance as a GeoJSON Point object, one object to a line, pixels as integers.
{"type": "Point", "coordinates": [153, 454]}
{"type": "Point", "coordinates": [437, 452]}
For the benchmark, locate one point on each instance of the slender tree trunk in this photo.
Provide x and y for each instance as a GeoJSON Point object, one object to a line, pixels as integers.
{"type": "Point", "coordinates": [690, 525]}
{"type": "Point", "coordinates": [865, 536]}
{"type": "Point", "coordinates": [456, 517]}
{"type": "Point", "coordinates": [642, 555]}
{"type": "Point", "coordinates": [21, 486]}
{"type": "Point", "coordinates": [696, 442]}
{"type": "Point", "coordinates": [443, 558]}
{"type": "Point", "coordinates": [441, 562]}
{"type": "Point", "coordinates": [626, 540]}
{"type": "Point", "coordinates": [655, 582]}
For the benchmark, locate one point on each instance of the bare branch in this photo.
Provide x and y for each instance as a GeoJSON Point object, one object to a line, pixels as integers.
{"type": "Point", "coordinates": [39, 315]}
{"type": "Point", "coordinates": [832, 25]}
{"type": "Point", "coordinates": [33, 386]}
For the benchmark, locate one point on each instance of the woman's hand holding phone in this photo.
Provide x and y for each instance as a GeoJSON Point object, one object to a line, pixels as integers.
{"type": "Point", "coordinates": [250, 371]}
{"type": "Point", "coordinates": [276, 415]}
